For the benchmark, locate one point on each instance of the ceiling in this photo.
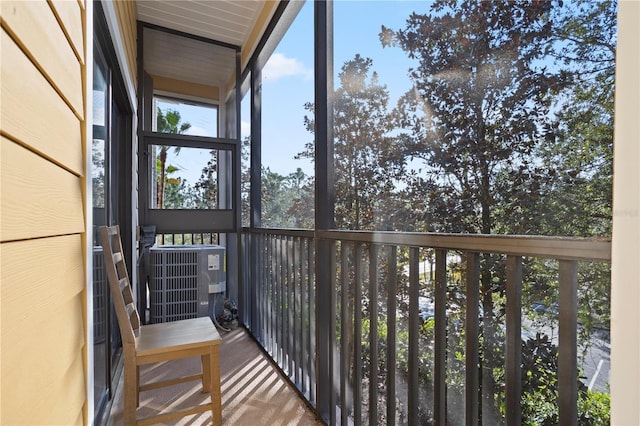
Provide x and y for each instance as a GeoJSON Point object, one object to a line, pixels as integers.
{"type": "Point", "coordinates": [180, 58]}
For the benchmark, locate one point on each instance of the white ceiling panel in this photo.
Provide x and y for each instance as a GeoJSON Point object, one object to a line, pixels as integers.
{"type": "Point", "coordinates": [186, 59]}
{"type": "Point", "coordinates": [172, 56]}
{"type": "Point", "coordinates": [221, 20]}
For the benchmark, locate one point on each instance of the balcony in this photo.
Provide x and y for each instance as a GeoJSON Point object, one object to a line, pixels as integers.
{"type": "Point", "coordinates": [253, 392]}
{"type": "Point", "coordinates": [318, 302]}
{"type": "Point", "coordinates": [390, 327]}
{"type": "Point", "coordinates": [315, 303]}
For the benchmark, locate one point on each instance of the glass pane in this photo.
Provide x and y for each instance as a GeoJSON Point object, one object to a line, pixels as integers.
{"type": "Point", "coordinates": [99, 97]}
{"type": "Point", "coordinates": [182, 117]}
{"type": "Point", "coordinates": [184, 178]}
{"type": "Point", "coordinates": [98, 174]}
{"type": "Point", "coordinates": [99, 194]}
{"type": "Point", "coordinates": [485, 118]}
{"type": "Point", "coordinates": [245, 129]}
{"type": "Point", "coordinates": [287, 128]}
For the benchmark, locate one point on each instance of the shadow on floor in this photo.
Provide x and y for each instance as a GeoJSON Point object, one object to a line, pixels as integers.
{"type": "Point", "coordinates": [253, 391]}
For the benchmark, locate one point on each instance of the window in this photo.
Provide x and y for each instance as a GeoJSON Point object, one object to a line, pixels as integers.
{"type": "Point", "coordinates": [287, 96]}
{"type": "Point", "coordinates": [188, 169]}
{"type": "Point", "coordinates": [184, 177]}
{"type": "Point", "coordinates": [185, 117]}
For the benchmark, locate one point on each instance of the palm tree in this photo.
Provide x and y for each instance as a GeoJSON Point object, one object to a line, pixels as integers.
{"type": "Point", "coordinates": [167, 122]}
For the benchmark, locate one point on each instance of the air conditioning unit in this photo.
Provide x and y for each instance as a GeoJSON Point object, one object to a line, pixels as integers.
{"type": "Point", "coordinates": [181, 280]}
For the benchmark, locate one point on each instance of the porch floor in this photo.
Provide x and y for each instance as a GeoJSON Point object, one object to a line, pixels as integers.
{"type": "Point", "coordinates": [254, 393]}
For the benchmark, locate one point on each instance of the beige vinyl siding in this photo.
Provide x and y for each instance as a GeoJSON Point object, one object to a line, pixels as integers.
{"type": "Point", "coordinates": [42, 219]}
{"type": "Point", "coordinates": [126, 13]}
{"type": "Point", "coordinates": [32, 111]}
{"type": "Point", "coordinates": [39, 198]}
{"type": "Point", "coordinates": [35, 27]}
{"type": "Point", "coordinates": [69, 14]}
{"type": "Point", "coordinates": [42, 331]}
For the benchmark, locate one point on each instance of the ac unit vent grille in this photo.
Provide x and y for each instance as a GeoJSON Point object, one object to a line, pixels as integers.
{"type": "Point", "coordinates": [179, 282]}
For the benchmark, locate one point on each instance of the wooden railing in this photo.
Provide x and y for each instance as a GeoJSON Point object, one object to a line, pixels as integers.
{"type": "Point", "coordinates": [372, 300]}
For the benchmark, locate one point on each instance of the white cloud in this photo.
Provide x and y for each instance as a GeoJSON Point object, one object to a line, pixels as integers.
{"type": "Point", "coordinates": [280, 66]}
{"type": "Point", "coordinates": [197, 131]}
{"type": "Point", "coordinates": [245, 129]}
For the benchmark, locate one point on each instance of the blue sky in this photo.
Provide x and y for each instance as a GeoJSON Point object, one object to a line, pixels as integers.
{"type": "Point", "coordinates": [288, 79]}
{"type": "Point", "coordinates": [288, 76]}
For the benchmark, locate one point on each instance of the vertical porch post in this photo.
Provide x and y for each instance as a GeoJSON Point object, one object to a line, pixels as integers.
{"type": "Point", "coordinates": [513, 355]}
{"type": "Point", "coordinates": [255, 198]}
{"type": "Point", "coordinates": [324, 198]}
{"type": "Point", "coordinates": [567, 344]}
{"type": "Point", "coordinates": [440, 340]}
{"type": "Point", "coordinates": [625, 250]}
{"type": "Point", "coordinates": [255, 215]}
{"type": "Point", "coordinates": [472, 357]}
{"type": "Point", "coordinates": [236, 181]}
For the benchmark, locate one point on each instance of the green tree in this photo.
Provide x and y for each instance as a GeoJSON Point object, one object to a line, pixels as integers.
{"type": "Point", "coordinates": [480, 102]}
{"type": "Point", "coordinates": [245, 180]}
{"type": "Point", "coordinates": [582, 155]}
{"type": "Point", "coordinates": [578, 199]}
{"type": "Point", "coordinates": [168, 121]}
{"type": "Point", "coordinates": [515, 143]}
{"type": "Point", "coordinates": [97, 170]}
{"type": "Point", "coordinates": [205, 190]}
{"type": "Point", "coordinates": [479, 108]}
{"type": "Point", "coordinates": [283, 200]}
{"type": "Point", "coordinates": [176, 190]}
{"type": "Point", "coordinates": [301, 210]}
{"type": "Point", "coordinates": [478, 111]}
{"type": "Point", "coordinates": [363, 148]}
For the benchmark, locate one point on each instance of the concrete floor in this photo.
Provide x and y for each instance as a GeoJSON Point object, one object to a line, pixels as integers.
{"type": "Point", "coordinates": [253, 391]}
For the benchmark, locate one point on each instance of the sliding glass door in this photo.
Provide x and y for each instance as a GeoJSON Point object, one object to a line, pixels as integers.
{"type": "Point", "coordinates": [111, 194]}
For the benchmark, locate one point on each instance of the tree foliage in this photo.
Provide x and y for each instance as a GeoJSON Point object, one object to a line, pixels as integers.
{"type": "Point", "coordinates": [479, 106]}
{"type": "Point", "coordinates": [168, 121]}
{"type": "Point", "coordinates": [365, 160]}
{"type": "Point", "coordinates": [478, 110]}
{"type": "Point", "coordinates": [287, 201]}
{"type": "Point", "coordinates": [205, 190]}
{"type": "Point", "coordinates": [579, 198]}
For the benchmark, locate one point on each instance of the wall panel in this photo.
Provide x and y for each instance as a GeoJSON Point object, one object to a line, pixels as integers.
{"type": "Point", "coordinates": [70, 13]}
{"type": "Point", "coordinates": [32, 112]}
{"type": "Point", "coordinates": [38, 197]}
{"type": "Point", "coordinates": [42, 324]}
{"type": "Point", "coordinates": [186, 88]}
{"type": "Point", "coordinates": [34, 25]}
{"type": "Point", "coordinates": [126, 13]}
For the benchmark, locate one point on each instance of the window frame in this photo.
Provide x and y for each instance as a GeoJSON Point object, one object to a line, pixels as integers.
{"type": "Point", "coordinates": [187, 220]}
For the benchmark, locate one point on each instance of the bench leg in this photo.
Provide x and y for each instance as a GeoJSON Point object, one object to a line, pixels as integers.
{"type": "Point", "coordinates": [131, 393]}
{"type": "Point", "coordinates": [206, 373]}
{"type": "Point", "coordinates": [216, 398]}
